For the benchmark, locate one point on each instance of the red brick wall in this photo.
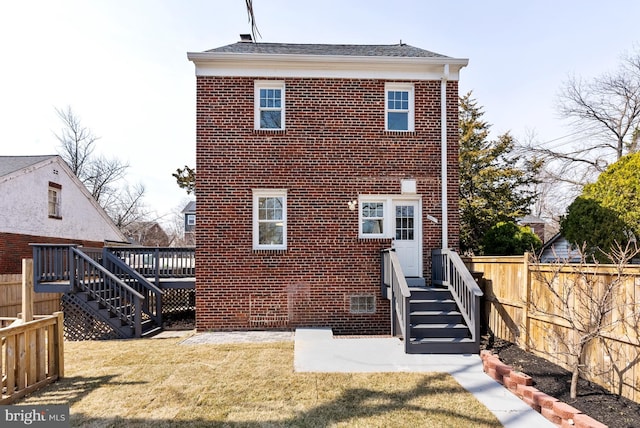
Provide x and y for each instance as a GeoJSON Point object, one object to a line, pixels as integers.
{"type": "Point", "coordinates": [334, 148]}
{"type": "Point", "coordinates": [15, 247]}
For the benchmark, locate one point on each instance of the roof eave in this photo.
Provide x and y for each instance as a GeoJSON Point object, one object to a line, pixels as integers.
{"type": "Point", "coordinates": [243, 64]}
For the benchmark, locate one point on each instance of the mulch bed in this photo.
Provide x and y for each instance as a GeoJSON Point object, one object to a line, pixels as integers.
{"type": "Point", "coordinates": [553, 380]}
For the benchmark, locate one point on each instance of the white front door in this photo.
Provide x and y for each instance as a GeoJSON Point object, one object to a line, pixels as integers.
{"type": "Point", "coordinates": [408, 236]}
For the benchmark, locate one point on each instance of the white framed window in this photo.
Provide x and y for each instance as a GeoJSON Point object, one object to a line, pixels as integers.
{"type": "Point", "coordinates": [191, 219]}
{"type": "Point", "coordinates": [269, 104]}
{"type": "Point", "coordinates": [399, 107]}
{"type": "Point", "coordinates": [55, 191]}
{"type": "Point", "coordinates": [270, 219]}
{"type": "Point", "coordinates": [373, 218]}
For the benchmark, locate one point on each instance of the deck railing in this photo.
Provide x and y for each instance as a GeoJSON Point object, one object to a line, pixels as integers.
{"type": "Point", "coordinates": [157, 263]}
{"type": "Point", "coordinates": [152, 303]}
{"type": "Point", "coordinates": [53, 267]}
{"type": "Point", "coordinates": [449, 270]}
{"type": "Point", "coordinates": [395, 288]}
{"type": "Point", "coordinates": [32, 355]}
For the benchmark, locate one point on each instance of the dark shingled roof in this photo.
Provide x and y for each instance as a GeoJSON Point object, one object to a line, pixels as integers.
{"type": "Point", "coordinates": [190, 208]}
{"type": "Point", "coordinates": [399, 50]}
{"type": "Point", "coordinates": [9, 164]}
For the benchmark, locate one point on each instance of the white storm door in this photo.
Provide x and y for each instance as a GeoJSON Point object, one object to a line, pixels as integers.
{"type": "Point", "coordinates": [408, 236]}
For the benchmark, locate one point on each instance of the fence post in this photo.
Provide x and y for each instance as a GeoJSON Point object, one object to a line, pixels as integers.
{"type": "Point", "coordinates": [527, 301]}
{"type": "Point", "coordinates": [58, 348]}
{"type": "Point", "coordinates": [27, 290]}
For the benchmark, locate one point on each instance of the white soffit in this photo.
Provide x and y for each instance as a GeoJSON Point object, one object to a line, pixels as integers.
{"type": "Point", "coordinates": [323, 66]}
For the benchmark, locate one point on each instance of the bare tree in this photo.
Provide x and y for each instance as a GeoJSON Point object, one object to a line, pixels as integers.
{"type": "Point", "coordinates": [103, 177]}
{"type": "Point", "coordinates": [127, 206]}
{"type": "Point", "coordinates": [577, 297]}
{"type": "Point", "coordinates": [76, 143]}
{"type": "Point", "coordinates": [605, 113]}
{"type": "Point", "coordinates": [175, 229]}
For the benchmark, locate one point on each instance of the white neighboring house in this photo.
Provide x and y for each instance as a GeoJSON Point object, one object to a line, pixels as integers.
{"type": "Point", "coordinates": [42, 201]}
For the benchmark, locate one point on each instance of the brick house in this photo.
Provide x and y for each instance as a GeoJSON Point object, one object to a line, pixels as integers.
{"type": "Point", "coordinates": [44, 202]}
{"type": "Point", "coordinates": [311, 159]}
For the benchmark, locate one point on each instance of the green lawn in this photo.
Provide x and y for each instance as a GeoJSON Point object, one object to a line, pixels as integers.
{"type": "Point", "coordinates": [161, 383]}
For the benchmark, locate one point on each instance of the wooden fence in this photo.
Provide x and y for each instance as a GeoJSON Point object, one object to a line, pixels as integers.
{"type": "Point", "coordinates": [518, 307]}
{"type": "Point", "coordinates": [11, 298]}
{"type": "Point", "coordinates": [32, 354]}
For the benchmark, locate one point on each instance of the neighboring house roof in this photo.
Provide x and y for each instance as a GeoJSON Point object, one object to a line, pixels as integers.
{"type": "Point", "coordinates": [559, 249]}
{"type": "Point", "coordinates": [531, 219]}
{"type": "Point", "coordinates": [147, 233]}
{"type": "Point", "coordinates": [9, 164]}
{"type": "Point", "coordinates": [398, 50]}
{"type": "Point", "coordinates": [12, 167]}
{"type": "Point", "coordinates": [190, 208]}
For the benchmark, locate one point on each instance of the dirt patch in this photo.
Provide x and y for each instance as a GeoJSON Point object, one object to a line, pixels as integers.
{"type": "Point", "coordinates": [184, 320]}
{"type": "Point", "coordinates": [553, 380]}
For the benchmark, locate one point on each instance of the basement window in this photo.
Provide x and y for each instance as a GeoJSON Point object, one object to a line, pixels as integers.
{"type": "Point", "coordinates": [362, 304]}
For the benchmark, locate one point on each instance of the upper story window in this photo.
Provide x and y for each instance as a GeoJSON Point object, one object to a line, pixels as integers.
{"type": "Point", "coordinates": [55, 191]}
{"type": "Point", "coordinates": [270, 219]}
{"type": "Point", "coordinates": [269, 105]}
{"type": "Point", "coordinates": [189, 222]}
{"type": "Point", "coordinates": [399, 107]}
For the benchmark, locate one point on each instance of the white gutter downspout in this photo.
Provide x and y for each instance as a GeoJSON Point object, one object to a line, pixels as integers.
{"type": "Point", "coordinates": [443, 154]}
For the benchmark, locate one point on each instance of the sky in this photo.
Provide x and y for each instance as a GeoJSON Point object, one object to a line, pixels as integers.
{"type": "Point", "coordinates": [122, 67]}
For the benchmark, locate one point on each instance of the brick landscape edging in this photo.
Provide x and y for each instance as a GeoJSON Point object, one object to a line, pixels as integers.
{"type": "Point", "coordinates": [521, 385]}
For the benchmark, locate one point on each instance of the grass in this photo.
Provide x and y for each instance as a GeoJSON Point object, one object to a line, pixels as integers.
{"type": "Point", "coordinates": [162, 383]}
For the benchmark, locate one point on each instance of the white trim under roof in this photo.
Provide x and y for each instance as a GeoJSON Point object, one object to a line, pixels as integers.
{"type": "Point", "coordinates": [319, 66]}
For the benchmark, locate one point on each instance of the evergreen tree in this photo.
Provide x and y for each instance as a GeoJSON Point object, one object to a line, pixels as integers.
{"type": "Point", "coordinates": [608, 211]}
{"type": "Point", "coordinates": [508, 239]}
{"type": "Point", "coordinates": [496, 185]}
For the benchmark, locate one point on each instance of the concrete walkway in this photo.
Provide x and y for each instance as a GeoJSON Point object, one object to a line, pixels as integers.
{"type": "Point", "coordinates": [316, 350]}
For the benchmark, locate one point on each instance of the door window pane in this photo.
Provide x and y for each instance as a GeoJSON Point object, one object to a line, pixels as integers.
{"type": "Point", "coordinates": [404, 222]}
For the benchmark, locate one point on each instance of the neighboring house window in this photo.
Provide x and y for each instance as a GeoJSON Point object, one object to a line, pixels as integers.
{"type": "Point", "coordinates": [269, 105]}
{"type": "Point", "coordinates": [189, 222]}
{"type": "Point", "coordinates": [270, 219]}
{"type": "Point", "coordinates": [372, 219]}
{"type": "Point", "coordinates": [55, 191]}
{"type": "Point", "coordinates": [365, 304]}
{"type": "Point", "coordinates": [399, 107]}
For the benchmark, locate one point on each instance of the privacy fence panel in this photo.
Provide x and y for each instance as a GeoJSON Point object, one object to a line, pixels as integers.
{"type": "Point", "coordinates": [11, 298]}
{"type": "Point", "coordinates": [520, 307]}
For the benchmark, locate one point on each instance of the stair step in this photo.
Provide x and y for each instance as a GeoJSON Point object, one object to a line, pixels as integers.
{"type": "Point", "coordinates": [442, 340]}
{"type": "Point", "coordinates": [443, 345]}
{"type": "Point", "coordinates": [435, 313]}
{"type": "Point", "coordinates": [436, 317]}
{"type": "Point", "coordinates": [457, 330]}
{"type": "Point", "coordinates": [433, 305]}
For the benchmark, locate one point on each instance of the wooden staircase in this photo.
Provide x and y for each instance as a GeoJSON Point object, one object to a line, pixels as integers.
{"type": "Point", "coordinates": [436, 324]}
{"type": "Point", "coordinates": [113, 292]}
{"type": "Point", "coordinates": [109, 311]}
{"type": "Point", "coordinates": [443, 318]}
